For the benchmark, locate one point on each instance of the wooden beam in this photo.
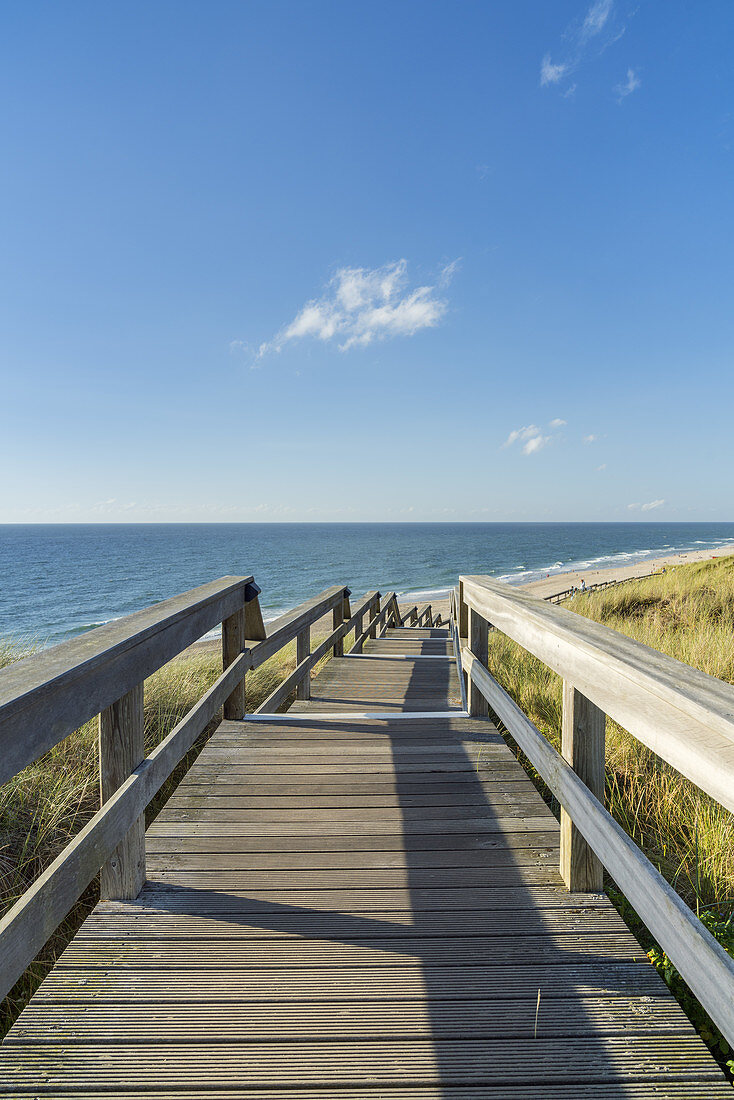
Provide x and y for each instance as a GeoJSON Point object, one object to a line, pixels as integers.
{"type": "Point", "coordinates": [121, 750]}
{"type": "Point", "coordinates": [303, 651]}
{"type": "Point", "coordinates": [337, 620]}
{"type": "Point", "coordinates": [233, 644]}
{"type": "Point", "coordinates": [478, 643]}
{"type": "Point", "coordinates": [582, 746]}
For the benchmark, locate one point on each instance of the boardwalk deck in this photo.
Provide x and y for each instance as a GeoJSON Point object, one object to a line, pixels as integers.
{"type": "Point", "coordinates": [357, 907]}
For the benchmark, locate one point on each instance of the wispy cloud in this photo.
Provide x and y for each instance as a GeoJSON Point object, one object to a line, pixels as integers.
{"type": "Point", "coordinates": [602, 467]}
{"type": "Point", "coordinates": [361, 305]}
{"type": "Point", "coordinates": [551, 73]}
{"type": "Point", "coordinates": [532, 437]}
{"type": "Point", "coordinates": [631, 85]}
{"type": "Point", "coordinates": [595, 19]}
{"type": "Point", "coordinates": [590, 438]}
{"type": "Point", "coordinates": [590, 34]}
{"type": "Point", "coordinates": [649, 507]}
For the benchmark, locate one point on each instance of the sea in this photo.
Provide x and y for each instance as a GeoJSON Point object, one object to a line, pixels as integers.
{"type": "Point", "coordinates": [57, 581]}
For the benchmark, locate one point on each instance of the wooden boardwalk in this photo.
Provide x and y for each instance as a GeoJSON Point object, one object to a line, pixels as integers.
{"type": "Point", "coordinates": [357, 907]}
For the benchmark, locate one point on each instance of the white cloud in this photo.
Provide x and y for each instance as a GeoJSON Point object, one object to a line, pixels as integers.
{"type": "Point", "coordinates": [530, 436]}
{"type": "Point", "coordinates": [361, 305]}
{"type": "Point", "coordinates": [558, 423]}
{"type": "Point", "coordinates": [590, 438]}
{"type": "Point", "coordinates": [595, 19]}
{"type": "Point", "coordinates": [602, 467]}
{"type": "Point", "coordinates": [521, 433]}
{"type": "Point", "coordinates": [550, 73]}
{"type": "Point", "coordinates": [535, 444]}
{"type": "Point", "coordinates": [588, 35]}
{"type": "Point", "coordinates": [651, 504]}
{"type": "Point", "coordinates": [631, 85]}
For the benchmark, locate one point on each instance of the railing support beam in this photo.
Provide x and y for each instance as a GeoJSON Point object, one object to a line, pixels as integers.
{"type": "Point", "coordinates": [583, 747]}
{"type": "Point", "coordinates": [233, 643]}
{"type": "Point", "coordinates": [479, 645]}
{"type": "Point", "coordinates": [303, 650]}
{"type": "Point", "coordinates": [121, 750]}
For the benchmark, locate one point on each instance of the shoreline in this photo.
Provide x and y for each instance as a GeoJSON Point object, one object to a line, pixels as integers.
{"type": "Point", "coordinates": [545, 586]}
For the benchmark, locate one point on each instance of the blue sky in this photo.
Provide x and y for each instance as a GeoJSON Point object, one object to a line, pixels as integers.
{"type": "Point", "coordinates": [329, 260]}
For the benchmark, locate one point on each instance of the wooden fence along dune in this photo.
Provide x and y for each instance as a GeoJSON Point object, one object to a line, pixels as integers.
{"type": "Point", "coordinates": [363, 894]}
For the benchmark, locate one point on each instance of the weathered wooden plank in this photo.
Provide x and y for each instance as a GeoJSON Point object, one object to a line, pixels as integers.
{"type": "Point", "coordinates": [121, 750]}
{"type": "Point", "coordinates": [378, 1063]}
{"type": "Point", "coordinates": [252, 1022]}
{"type": "Point", "coordinates": [582, 746]}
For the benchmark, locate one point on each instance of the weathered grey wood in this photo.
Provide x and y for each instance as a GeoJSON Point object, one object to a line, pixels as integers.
{"type": "Point", "coordinates": [374, 612]}
{"type": "Point", "coordinates": [288, 626]}
{"type": "Point", "coordinates": [337, 620]}
{"type": "Point", "coordinates": [303, 651]}
{"type": "Point", "coordinates": [121, 750]}
{"type": "Point", "coordinates": [582, 746]}
{"type": "Point", "coordinates": [45, 697]}
{"type": "Point", "coordinates": [27, 926]}
{"type": "Point", "coordinates": [254, 626]}
{"type": "Point", "coordinates": [478, 643]}
{"type": "Point", "coordinates": [233, 644]}
{"type": "Point", "coordinates": [683, 715]}
{"type": "Point", "coordinates": [463, 620]}
{"type": "Point", "coordinates": [704, 964]}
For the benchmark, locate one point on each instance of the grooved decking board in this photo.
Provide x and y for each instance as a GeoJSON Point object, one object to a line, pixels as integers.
{"type": "Point", "coordinates": [349, 909]}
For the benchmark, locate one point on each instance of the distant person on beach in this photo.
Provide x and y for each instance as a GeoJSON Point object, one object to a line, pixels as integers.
{"type": "Point", "coordinates": [583, 585]}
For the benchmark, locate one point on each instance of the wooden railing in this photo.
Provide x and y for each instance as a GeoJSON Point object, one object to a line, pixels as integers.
{"type": "Point", "coordinates": [46, 697]}
{"type": "Point", "coordinates": [559, 597]}
{"type": "Point", "coordinates": [683, 715]}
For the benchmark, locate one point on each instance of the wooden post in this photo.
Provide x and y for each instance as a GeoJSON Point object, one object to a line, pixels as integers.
{"type": "Point", "coordinates": [338, 619]}
{"type": "Point", "coordinates": [374, 612]}
{"type": "Point", "coordinates": [359, 625]}
{"type": "Point", "coordinates": [582, 746]}
{"type": "Point", "coordinates": [303, 648]}
{"type": "Point", "coordinates": [233, 643]}
{"type": "Point", "coordinates": [429, 616]}
{"type": "Point", "coordinates": [463, 623]}
{"type": "Point", "coordinates": [479, 645]}
{"type": "Point", "coordinates": [121, 750]}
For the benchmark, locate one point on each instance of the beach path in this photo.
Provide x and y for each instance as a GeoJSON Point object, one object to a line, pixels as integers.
{"type": "Point", "coordinates": [359, 898]}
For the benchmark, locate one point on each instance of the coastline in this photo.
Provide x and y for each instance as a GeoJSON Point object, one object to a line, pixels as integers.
{"type": "Point", "coordinates": [546, 586]}
{"type": "Point", "coordinates": [557, 582]}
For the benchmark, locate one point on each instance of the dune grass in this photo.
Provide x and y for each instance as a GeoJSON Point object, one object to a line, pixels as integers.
{"type": "Point", "coordinates": [46, 804]}
{"type": "Point", "coordinates": [688, 613]}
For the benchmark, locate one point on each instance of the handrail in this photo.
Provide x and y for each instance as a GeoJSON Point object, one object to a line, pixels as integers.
{"type": "Point", "coordinates": [682, 714]}
{"type": "Point", "coordinates": [45, 697]}
{"type": "Point", "coordinates": [702, 962]}
{"type": "Point", "coordinates": [558, 597]}
{"type": "Point", "coordinates": [390, 600]}
{"type": "Point", "coordinates": [289, 684]}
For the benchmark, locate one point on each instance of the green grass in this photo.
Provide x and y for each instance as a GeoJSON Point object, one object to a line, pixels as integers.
{"type": "Point", "coordinates": [46, 804]}
{"type": "Point", "coordinates": [688, 613]}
